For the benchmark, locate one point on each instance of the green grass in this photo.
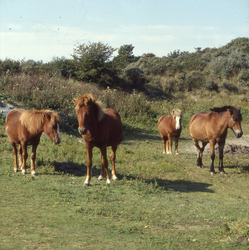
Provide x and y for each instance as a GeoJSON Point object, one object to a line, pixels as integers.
{"type": "Point", "coordinates": [159, 202]}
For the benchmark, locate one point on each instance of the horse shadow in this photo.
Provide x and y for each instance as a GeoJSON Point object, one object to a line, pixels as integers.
{"type": "Point", "coordinates": [176, 185]}
{"type": "Point", "coordinates": [167, 185]}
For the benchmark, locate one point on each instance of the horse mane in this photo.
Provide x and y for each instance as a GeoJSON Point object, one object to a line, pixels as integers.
{"type": "Point", "coordinates": [176, 112]}
{"type": "Point", "coordinates": [236, 112]}
{"type": "Point", "coordinates": [33, 120]}
{"type": "Point", "coordinates": [88, 100]}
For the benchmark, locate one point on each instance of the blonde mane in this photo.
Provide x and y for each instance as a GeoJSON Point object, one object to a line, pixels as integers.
{"type": "Point", "coordinates": [87, 100]}
{"type": "Point", "coordinates": [33, 120]}
{"type": "Point", "coordinates": [176, 112]}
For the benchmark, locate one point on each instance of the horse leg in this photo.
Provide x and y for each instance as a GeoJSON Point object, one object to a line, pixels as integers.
{"type": "Point", "coordinates": [105, 164]}
{"type": "Point", "coordinates": [20, 156]}
{"type": "Point", "coordinates": [164, 145]}
{"type": "Point", "coordinates": [199, 153]}
{"type": "Point", "coordinates": [89, 164]}
{"type": "Point", "coordinates": [15, 156]}
{"type": "Point", "coordinates": [169, 148]}
{"type": "Point", "coordinates": [221, 148]}
{"type": "Point", "coordinates": [212, 144]}
{"type": "Point", "coordinates": [176, 145]}
{"type": "Point", "coordinates": [33, 156]}
{"type": "Point", "coordinates": [113, 158]}
{"type": "Point", "coordinates": [25, 155]}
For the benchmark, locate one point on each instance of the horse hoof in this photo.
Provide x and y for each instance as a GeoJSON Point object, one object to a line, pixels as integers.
{"type": "Point", "coordinates": [223, 172]}
{"type": "Point", "coordinates": [164, 152]}
{"type": "Point", "coordinates": [108, 182]}
{"type": "Point", "coordinates": [114, 178]}
{"type": "Point", "coordinates": [212, 173]}
{"type": "Point", "coordinates": [86, 184]}
{"type": "Point", "coordinates": [33, 173]}
{"type": "Point", "coordinates": [23, 171]}
{"type": "Point", "coordinates": [16, 170]}
{"type": "Point", "coordinates": [100, 178]}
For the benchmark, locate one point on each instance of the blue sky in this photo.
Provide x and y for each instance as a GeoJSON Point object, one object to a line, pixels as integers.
{"type": "Point", "coordinates": [41, 30]}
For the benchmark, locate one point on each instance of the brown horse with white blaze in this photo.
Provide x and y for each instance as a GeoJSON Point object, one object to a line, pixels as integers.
{"type": "Point", "coordinates": [211, 127]}
{"type": "Point", "coordinates": [24, 127]}
{"type": "Point", "coordinates": [169, 127]}
{"type": "Point", "coordinates": [99, 128]}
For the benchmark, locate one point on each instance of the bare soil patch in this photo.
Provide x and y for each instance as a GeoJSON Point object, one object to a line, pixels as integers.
{"type": "Point", "coordinates": [235, 147]}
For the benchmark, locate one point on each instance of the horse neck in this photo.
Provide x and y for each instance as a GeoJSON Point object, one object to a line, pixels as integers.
{"type": "Point", "coordinates": [93, 124]}
{"type": "Point", "coordinates": [224, 120]}
{"type": "Point", "coordinates": [46, 123]}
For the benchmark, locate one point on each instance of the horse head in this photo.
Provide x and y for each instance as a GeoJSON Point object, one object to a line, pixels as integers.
{"type": "Point", "coordinates": [87, 110]}
{"type": "Point", "coordinates": [51, 126]}
{"type": "Point", "coordinates": [235, 118]}
{"type": "Point", "coordinates": [235, 121]}
{"type": "Point", "coordinates": [177, 115]}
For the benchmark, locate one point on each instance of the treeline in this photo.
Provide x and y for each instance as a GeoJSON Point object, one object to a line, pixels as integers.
{"type": "Point", "coordinates": [211, 68]}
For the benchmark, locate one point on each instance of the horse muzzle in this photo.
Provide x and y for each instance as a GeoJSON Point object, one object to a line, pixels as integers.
{"type": "Point", "coordinates": [238, 134]}
{"type": "Point", "coordinates": [82, 131]}
{"type": "Point", "coordinates": [57, 141]}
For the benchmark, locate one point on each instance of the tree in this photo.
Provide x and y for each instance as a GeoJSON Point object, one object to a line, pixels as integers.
{"type": "Point", "coordinates": [92, 62]}
{"type": "Point", "coordinates": [125, 56]}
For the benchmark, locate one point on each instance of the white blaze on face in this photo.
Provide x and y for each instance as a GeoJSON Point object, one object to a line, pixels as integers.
{"type": "Point", "coordinates": [178, 124]}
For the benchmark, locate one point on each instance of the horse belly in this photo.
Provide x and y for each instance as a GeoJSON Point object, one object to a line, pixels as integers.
{"type": "Point", "coordinates": [197, 130]}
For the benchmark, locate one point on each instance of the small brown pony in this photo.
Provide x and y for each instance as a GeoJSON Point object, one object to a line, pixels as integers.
{"type": "Point", "coordinates": [99, 128]}
{"type": "Point", "coordinates": [24, 127]}
{"type": "Point", "coordinates": [169, 126]}
{"type": "Point", "coordinates": [211, 127]}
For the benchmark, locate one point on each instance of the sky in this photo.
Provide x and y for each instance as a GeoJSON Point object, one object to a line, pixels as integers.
{"type": "Point", "coordinates": [42, 30]}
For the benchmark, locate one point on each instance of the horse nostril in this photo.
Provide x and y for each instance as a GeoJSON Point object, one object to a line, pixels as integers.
{"type": "Point", "coordinates": [82, 131]}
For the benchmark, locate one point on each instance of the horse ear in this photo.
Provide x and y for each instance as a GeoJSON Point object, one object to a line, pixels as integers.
{"type": "Point", "coordinates": [173, 113]}
{"type": "Point", "coordinates": [231, 111]}
{"type": "Point", "coordinates": [47, 116]}
{"type": "Point", "coordinates": [89, 102]}
{"type": "Point", "coordinates": [74, 101]}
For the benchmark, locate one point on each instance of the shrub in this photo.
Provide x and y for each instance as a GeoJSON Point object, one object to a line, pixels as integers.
{"type": "Point", "coordinates": [194, 79]}
{"type": "Point", "coordinates": [211, 85]}
{"type": "Point", "coordinates": [135, 76]}
{"type": "Point", "coordinates": [243, 75]}
{"type": "Point", "coordinates": [228, 86]}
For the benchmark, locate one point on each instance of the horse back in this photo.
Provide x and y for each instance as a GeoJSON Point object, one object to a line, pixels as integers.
{"type": "Point", "coordinates": [204, 125]}
{"type": "Point", "coordinates": [15, 130]}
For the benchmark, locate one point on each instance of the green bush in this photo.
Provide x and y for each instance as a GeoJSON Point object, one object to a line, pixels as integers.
{"type": "Point", "coordinates": [243, 75]}
{"type": "Point", "coordinates": [211, 85]}
{"type": "Point", "coordinates": [228, 86]}
{"type": "Point", "coordinates": [194, 79]}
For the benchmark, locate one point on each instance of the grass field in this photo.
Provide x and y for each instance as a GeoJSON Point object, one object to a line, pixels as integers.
{"type": "Point", "coordinates": [159, 202]}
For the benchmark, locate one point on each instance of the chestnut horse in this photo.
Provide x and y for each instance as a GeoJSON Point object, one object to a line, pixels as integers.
{"type": "Point", "coordinates": [169, 126]}
{"type": "Point", "coordinates": [99, 128]}
{"type": "Point", "coordinates": [24, 127]}
{"type": "Point", "coordinates": [211, 127]}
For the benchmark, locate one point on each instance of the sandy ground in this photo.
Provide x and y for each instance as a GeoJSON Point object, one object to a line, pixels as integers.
{"type": "Point", "coordinates": [235, 147]}
{"type": "Point", "coordinates": [5, 108]}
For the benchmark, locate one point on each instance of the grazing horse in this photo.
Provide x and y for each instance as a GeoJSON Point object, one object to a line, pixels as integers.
{"type": "Point", "coordinates": [170, 126]}
{"type": "Point", "coordinates": [99, 128]}
{"type": "Point", "coordinates": [24, 127]}
{"type": "Point", "coordinates": [211, 127]}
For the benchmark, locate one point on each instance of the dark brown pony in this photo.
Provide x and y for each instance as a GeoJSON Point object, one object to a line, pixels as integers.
{"type": "Point", "coordinates": [99, 128]}
{"type": "Point", "coordinates": [211, 127]}
{"type": "Point", "coordinates": [169, 127]}
{"type": "Point", "coordinates": [25, 128]}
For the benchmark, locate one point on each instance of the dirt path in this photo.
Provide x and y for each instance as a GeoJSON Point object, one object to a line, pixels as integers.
{"type": "Point", "coordinates": [235, 147]}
